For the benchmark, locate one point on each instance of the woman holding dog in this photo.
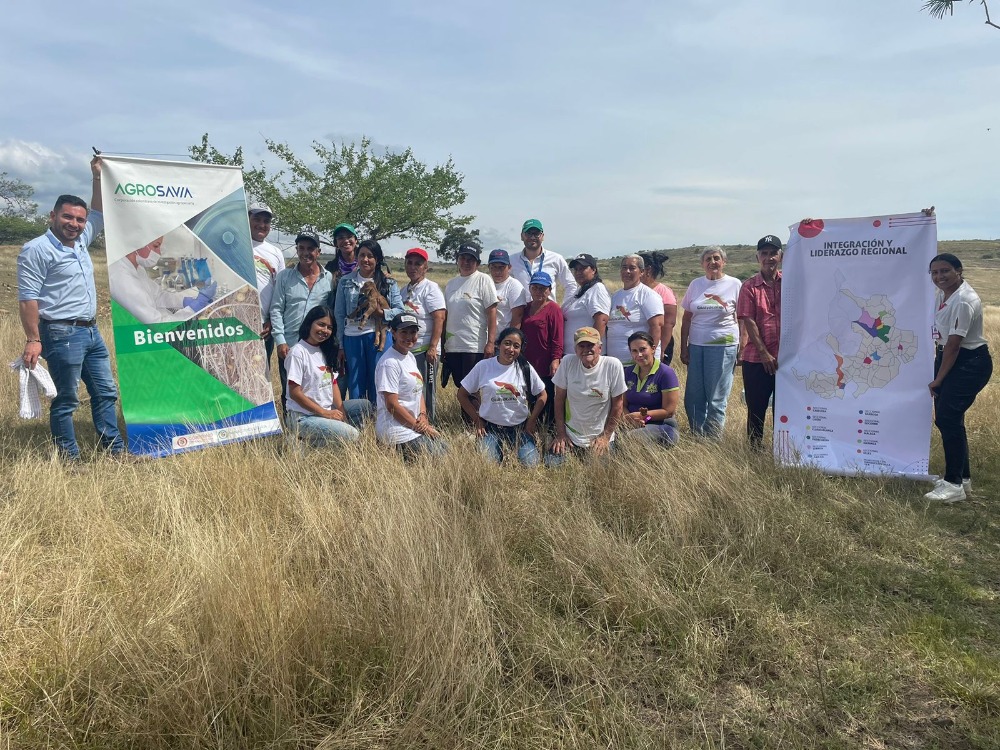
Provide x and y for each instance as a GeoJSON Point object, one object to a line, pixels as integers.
{"type": "Point", "coordinates": [360, 350]}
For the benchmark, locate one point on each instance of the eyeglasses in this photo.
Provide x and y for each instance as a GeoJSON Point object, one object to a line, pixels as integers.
{"type": "Point", "coordinates": [533, 233]}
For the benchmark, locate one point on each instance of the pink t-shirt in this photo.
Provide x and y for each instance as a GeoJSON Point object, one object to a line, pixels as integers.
{"type": "Point", "coordinates": [666, 294]}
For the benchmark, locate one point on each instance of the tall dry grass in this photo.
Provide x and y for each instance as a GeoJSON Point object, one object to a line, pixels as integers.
{"type": "Point", "coordinates": [255, 596]}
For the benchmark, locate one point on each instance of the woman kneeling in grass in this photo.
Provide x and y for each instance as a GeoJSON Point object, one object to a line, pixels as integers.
{"type": "Point", "coordinates": [315, 409]}
{"type": "Point", "coordinates": [511, 395]}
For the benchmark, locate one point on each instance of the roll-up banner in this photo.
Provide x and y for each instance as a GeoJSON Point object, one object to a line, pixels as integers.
{"type": "Point", "coordinates": [856, 353]}
{"type": "Point", "coordinates": [185, 307]}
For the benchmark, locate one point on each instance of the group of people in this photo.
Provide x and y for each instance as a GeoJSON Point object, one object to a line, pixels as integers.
{"type": "Point", "coordinates": [518, 356]}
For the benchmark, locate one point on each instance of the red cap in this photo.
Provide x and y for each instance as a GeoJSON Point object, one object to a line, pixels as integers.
{"type": "Point", "coordinates": [417, 251]}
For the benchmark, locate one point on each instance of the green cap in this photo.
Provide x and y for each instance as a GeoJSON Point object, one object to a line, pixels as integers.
{"type": "Point", "coordinates": [349, 227]}
{"type": "Point", "coordinates": [532, 224]}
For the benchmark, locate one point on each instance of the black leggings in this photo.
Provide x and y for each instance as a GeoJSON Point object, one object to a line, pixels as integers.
{"type": "Point", "coordinates": [966, 378]}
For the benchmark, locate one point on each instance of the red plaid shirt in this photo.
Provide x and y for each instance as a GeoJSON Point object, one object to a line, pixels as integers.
{"type": "Point", "coordinates": [760, 302]}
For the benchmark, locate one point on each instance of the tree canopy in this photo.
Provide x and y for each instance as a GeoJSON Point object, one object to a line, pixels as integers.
{"type": "Point", "coordinates": [941, 8]}
{"type": "Point", "coordinates": [18, 220]}
{"type": "Point", "coordinates": [383, 194]}
{"type": "Point", "coordinates": [454, 238]}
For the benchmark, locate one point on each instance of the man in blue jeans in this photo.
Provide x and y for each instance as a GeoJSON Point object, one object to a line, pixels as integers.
{"type": "Point", "coordinates": [58, 307]}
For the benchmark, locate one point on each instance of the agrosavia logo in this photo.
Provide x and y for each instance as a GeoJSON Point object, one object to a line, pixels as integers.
{"type": "Point", "coordinates": [153, 191]}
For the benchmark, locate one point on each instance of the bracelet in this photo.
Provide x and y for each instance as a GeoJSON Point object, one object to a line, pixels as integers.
{"type": "Point", "coordinates": [32, 341]}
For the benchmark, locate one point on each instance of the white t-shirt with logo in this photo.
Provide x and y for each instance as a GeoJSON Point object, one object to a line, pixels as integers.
{"type": "Point", "coordinates": [631, 310]}
{"type": "Point", "coordinates": [267, 261]}
{"type": "Point", "coordinates": [961, 315]}
{"type": "Point", "coordinates": [712, 304]}
{"type": "Point", "coordinates": [397, 373]}
{"type": "Point", "coordinates": [510, 294]}
{"type": "Point", "coordinates": [306, 366]}
{"type": "Point", "coordinates": [579, 313]}
{"type": "Point", "coordinates": [467, 299]}
{"type": "Point", "coordinates": [588, 395]}
{"type": "Point", "coordinates": [502, 397]}
{"type": "Point", "coordinates": [422, 300]}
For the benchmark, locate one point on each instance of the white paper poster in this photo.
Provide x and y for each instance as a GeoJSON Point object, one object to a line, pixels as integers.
{"type": "Point", "coordinates": [856, 351]}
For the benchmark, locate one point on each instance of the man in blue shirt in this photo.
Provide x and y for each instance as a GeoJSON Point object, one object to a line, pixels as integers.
{"type": "Point", "coordinates": [58, 307]}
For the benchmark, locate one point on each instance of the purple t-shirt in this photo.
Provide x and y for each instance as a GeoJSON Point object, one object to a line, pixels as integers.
{"type": "Point", "coordinates": [650, 395]}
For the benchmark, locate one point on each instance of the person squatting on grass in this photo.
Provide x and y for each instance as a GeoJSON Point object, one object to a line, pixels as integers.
{"type": "Point", "coordinates": [962, 368]}
{"type": "Point", "coordinates": [315, 410]}
{"type": "Point", "coordinates": [590, 391]}
{"type": "Point", "coordinates": [652, 395]}
{"type": "Point", "coordinates": [759, 309]}
{"type": "Point", "coordinates": [401, 419]}
{"type": "Point", "coordinates": [57, 300]}
{"type": "Point", "coordinates": [510, 397]}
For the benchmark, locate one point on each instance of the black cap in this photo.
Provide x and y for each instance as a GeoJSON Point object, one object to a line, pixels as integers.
{"type": "Point", "coordinates": [404, 320]}
{"type": "Point", "coordinates": [307, 235]}
{"type": "Point", "coordinates": [768, 240]}
{"type": "Point", "coordinates": [470, 249]}
{"type": "Point", "coordinates": [584, 259]}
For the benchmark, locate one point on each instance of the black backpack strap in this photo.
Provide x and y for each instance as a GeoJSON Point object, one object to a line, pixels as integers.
{"type": "Point", "coordinates": [526, 373]}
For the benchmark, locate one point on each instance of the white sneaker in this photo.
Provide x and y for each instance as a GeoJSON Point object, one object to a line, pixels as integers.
{"type": "Point", "coordinates": [967, 486]}
{"type": "Point", "coordinates": [946, 492]}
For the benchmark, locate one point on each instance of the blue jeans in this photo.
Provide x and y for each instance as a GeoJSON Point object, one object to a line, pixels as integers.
{"type": "Point", "coordinates": [498, 440]}
{"type": "Point", "coordinates": [73, 354]}
{"type": "Point", "coordinates": [422, 446]}
{"type": "Point", "coordinates": [665, 434]}
{"type": "Point", "coordinates": [709, 381]}
{"type": "Point", "coordinates": [321, 432]}
{"type": "Point", "coordinates": [362, 356]}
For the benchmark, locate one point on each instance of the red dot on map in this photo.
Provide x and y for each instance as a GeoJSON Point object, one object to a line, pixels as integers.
{"type": "Point", "coordinates": [811, 229]}
{"type": "Point", "coordinates": [809, 408]}
{"type": "Point", "coordinates": [784, 419]}
{"type": "Point", "coordinates": [861, 421]}
{"type": "Point", "coordinates": [859, 432]}
{"type": "Point", "coordinates": [859, 450]}
{"type": "Point", "coordinates": [877, 223]}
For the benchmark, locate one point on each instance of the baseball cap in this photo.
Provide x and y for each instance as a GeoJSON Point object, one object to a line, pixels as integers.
{"type": "Point", "coordinates": [541, 278]}
{"type": "Point", "coordinates": [260, 208]}
{"type": "Point", "coordinates": [307, 235]}
{"type": "Point", "coordinates": [587, 334]}
{"type": "Point", "coordinates": [418, 251]}
{"type": "Point", "coordinates": [768, 240]}
{"type": "Point", "coordinates": [499, 256]}
{"type": "Point", "coordinates": [532, 224]}
{"type": "Point", "coordinates": [468, 249]}
{"type": "Point", "coordinates": [404, 320]}
{"type": "Point", "coordinates": [344, 225]}
{"type": "Point", "coordinates": [584, 259]}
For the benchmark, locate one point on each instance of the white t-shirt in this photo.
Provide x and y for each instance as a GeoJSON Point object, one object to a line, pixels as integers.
{"type": "Point", "coordinates": [631, 310]}
{"type": "Point", "coordinates": [468, 298]}
{"type": "Point", "coordinates": [552, 263]}
{"type": "Point", "coordinates": [422, 300]}
{"type": "Point", "coordinates": [267, 261]}
{"type": "Point", "coordinates": [712, 305]}
{"type": "Point", "coordinates": [961, 315]}
{"type": "Point", "coordinates": [306, 366]}
{"type": "Point", "coordinates": [502, 397]}
{"type": "Point", "coordinates": [397, 373]}
{"type": "Point", "coordinates": [579, 313]}
{"type": "Point", "coordinates": [588, 395]}
{"type": "Point", "coordinates": [510, 293]}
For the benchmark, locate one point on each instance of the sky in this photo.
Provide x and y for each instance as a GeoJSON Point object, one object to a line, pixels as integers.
{"type": "Point", "coordinates": [621, 126]}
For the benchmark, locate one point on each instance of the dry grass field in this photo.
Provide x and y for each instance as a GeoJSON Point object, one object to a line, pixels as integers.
{"type": "Point", "coordinates": [257, 597]}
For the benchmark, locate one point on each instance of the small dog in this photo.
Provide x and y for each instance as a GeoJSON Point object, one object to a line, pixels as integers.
{"type": "Point", "coordinates": [372, 306]}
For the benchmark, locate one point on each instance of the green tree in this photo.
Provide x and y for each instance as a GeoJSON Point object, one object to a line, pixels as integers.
{"type": "Point", "coordinates": [18, 219]}
{"type": "Point", "coordinates": [941, 8]}
{"type": "Point", "coordinates": [454, 238]}
{"type": "Point", "coordinates": [382, 195]}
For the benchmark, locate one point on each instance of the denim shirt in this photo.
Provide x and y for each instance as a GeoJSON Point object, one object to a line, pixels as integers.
{"type": "Point", "coordinates": [293, 299]}
{"type": "Point", "coordinates": [348, 292]}
{"type": "Point", "coordinates": [58, 277]}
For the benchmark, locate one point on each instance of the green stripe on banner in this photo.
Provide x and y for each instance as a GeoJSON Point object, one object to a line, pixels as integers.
{"type": "Point", "coordinates": [156, 336]}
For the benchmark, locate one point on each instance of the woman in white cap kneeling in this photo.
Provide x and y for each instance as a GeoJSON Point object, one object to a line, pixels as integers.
{"type": "Point", "coordinates": [401, 412]}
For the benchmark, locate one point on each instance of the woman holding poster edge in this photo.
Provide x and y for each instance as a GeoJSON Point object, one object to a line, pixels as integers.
{"type": "Point", "coordinates": [962, 368]}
